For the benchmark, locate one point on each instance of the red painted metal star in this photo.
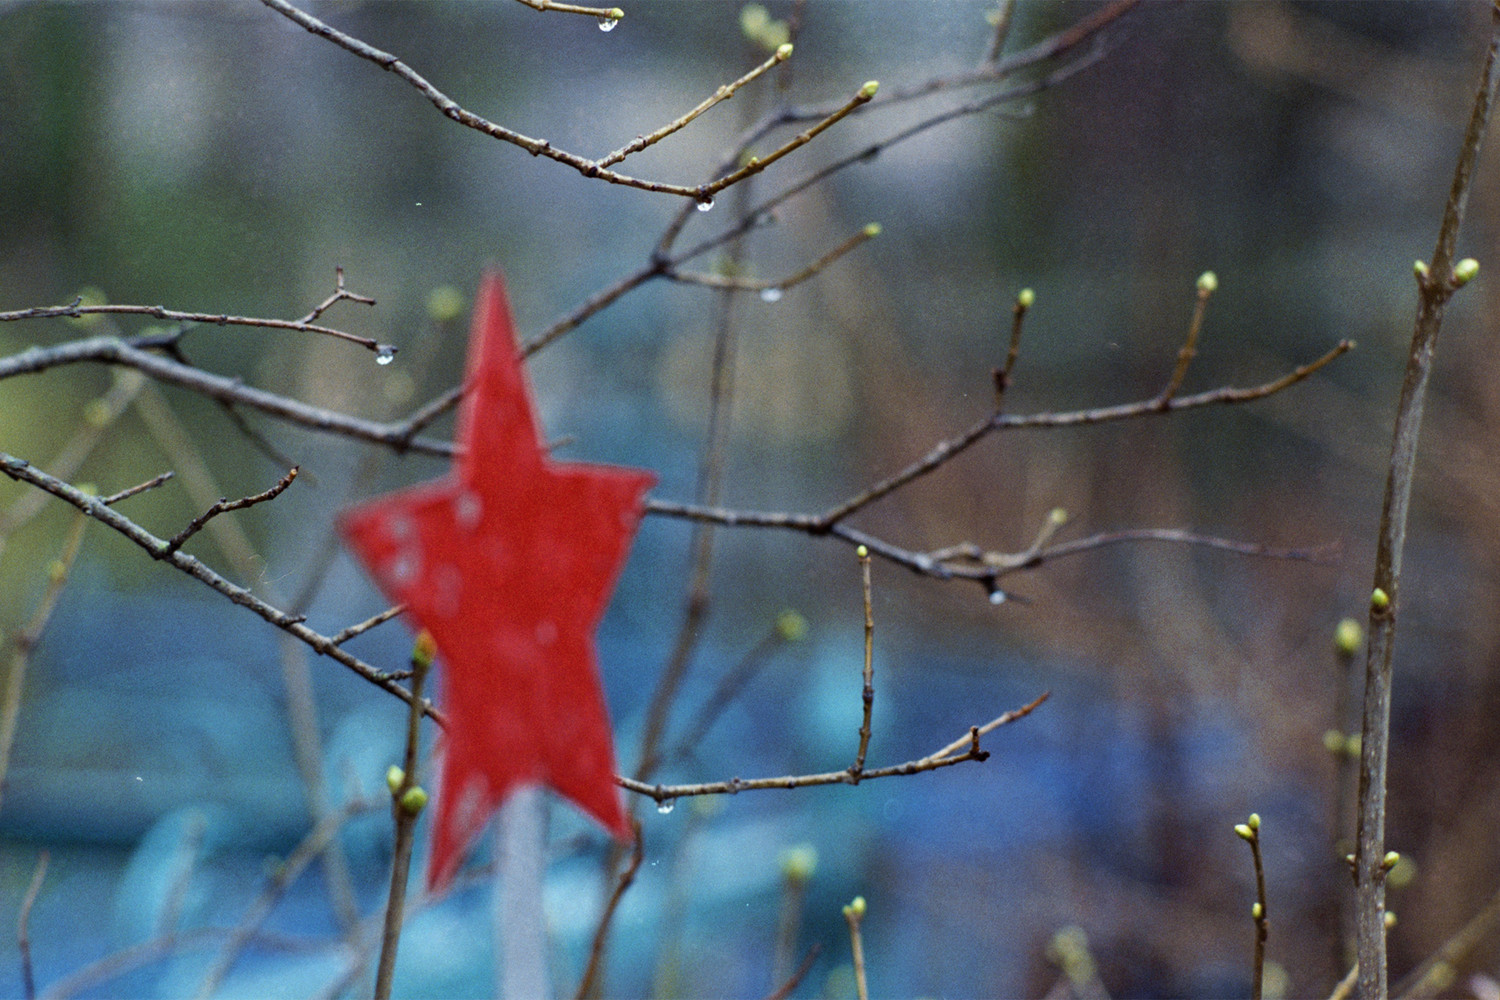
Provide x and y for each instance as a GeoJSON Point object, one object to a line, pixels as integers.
{"type": "Point", "coordinates": [508, 562]}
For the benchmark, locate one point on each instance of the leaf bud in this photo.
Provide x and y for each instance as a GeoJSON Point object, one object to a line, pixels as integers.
{"type": "Point", "coordinates": [784, 51]}
{"type": "Point", "coordinates": [790, 625]}
{"type": "Point", "coordinates": [444, 304]}
{"type": "Point", "coordinates": [871, 230]}
{"type": "Point", "coordinates": [1208, 282]}
{"type": "Point", "coordinates": [1257, 911]}
{"type": "Point", "coordinates": [868, 90]}
{"type": "Point", "coordinates": [1254, 821]}
{"type": "Point", "coordinates": [1465, 271]}
{"type": "Point", "coordinates": [394, 776]}
{"type": "Point", "coordinates": [1348, 636]}
{"type": "Point", "coordinates": [1380, 600]}
{"type": "Point", "coordinates": [856, 908]}
{"type": "Point", "coordinates": [414, 801]}
{"type": "Point", "coordinates": [1243, 829]}
{"type": "Point", "coordinates": [1026, 298]}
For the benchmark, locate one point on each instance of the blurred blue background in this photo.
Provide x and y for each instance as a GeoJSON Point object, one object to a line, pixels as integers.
{"type": "Point", "coordinates": [219, 158]}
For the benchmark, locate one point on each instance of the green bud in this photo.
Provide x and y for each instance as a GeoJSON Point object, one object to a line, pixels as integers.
{"type": "Point", "coordinates": [1389, 919]}
{"type": "Point", "coordinates": [1243, 829]}
{"type": "Point", "coordinates": [868, 90]}
{"type": "Point", "coordinates": [1391, 859]}
{"type": "Point", "coordinates": [615, 13]}
{"type": "Point", "coordinates": [444, 304]}
{"type": "Point", "coordinates": [784, 51]}
{"type": "Point", "coordinates": [1026, 298]}
{"type": "Point", "coordinates": [1257, 911]}
{"type": "Point", "coordinates": [790, 626]}
{"type": "Point", "coordinates": [1380, 600]}
{"type": "Point", "coordinates": [394, 776]}
{"type": "Point", "coordinates": [97, 414]}
{"type": "Point", "coordinates": [798, 863]}
{"type": "Point", "coordinates": [855, 908]}
{"type": "Point", "coordinates": [1354, 744]}
{"type": "Point", "coordinates": [1333, 741]}
{"type": "Point", "coordinates": [1421, 270]}
{"type": "Point", "coordinates": [871, 230]}
{"type": "Point", "coordinates": [1208, 282]}
{"type": "Point", "coordinates": [1348, 636]}
{"type": "Point", "coordinates": [1465, 271]}
{"type": "Point", "coordinates": [423, 650]}
{"type": "Point", "coordinates": [1254, 821]}
{"type": "Point", "coordinates": [1402, 873]}
{"type": "Point", "coordinates": [1057, 517]}
{"type": "Point", "coordinates": [414, 801]}
{"type": "Point", "coordinates": [862, 552]}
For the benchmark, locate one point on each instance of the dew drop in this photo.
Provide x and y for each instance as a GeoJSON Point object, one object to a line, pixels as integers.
{"type": "Point", "coordinates": [998, 596]}
{"type": "Point", "coordinates": [770, 294]}
{"type": "Point", "coordinates": [608, 23]}
{"type": "Point", "coordinates": [705, 204]}
{"type": "Point", "coordinates": [385, 354]}
{"type": "Point", "coordinates": [666, 805]}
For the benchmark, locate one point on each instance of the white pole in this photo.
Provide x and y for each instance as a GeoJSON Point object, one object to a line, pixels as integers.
{"type": "Point", "coordinates": [519, 920]}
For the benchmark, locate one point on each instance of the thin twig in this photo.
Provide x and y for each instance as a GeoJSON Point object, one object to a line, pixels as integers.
{"type": "Point", "coordinates": [1189, 350]}
{"type": "Point", "coordinates": [23, 923]}
{"type": "Point", "coordinates": [77, 308]}
{"type": "Point", "coordinates": [869, 232]}
{"type": "Point", "coordinates": [225, 505]}
{"type": "Point", "coordinates": [113, 350]}
{"type": "Point", "coordinates": [344, 635]}
{"type": "Point", "coordinates": [591, 971]}
{"type": "Point", "coordinates": [407, 801]}
{"type": "Point", "coordinates": [958, 752]}
{"type": "Point", "coordinates": [1436, 283]}
{"type": "Point", "coordinates": [539, 147]}
{"type": "Point", "coordinates": [25, 641]}
{"type": "Point", "coordinates": [603, 13]}
{"type": "Point", "coordinates": [1435, 972]}
{"type": "Point", "coordinates": [125, 494]}
{"type": "Point", "coordinates": [868, 693]}
{"type": "Point", "coordinates": [286, 873]}
{"type": "Point", "coordinates": [1250, 833]}
{"type": "Point", "coordinates": [724, 93]}
{"type": "Point", "coordinates": [21, 470]}
{"type": "Point", "coordinates": [853, 913]}
{"type": "Point", "coordinates": [340, 294]}
{"type": "Point", "coordinates": [785, 989]}
{"type": "Point", "coordinates": [1002, 17]}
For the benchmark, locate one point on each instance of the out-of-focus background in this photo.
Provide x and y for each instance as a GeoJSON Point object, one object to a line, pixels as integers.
{"type": "Point", "coordinates": [220, 158]}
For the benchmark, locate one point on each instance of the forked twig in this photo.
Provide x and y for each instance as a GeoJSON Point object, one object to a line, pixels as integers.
{"type": "Point", "coordinates": [946, 757]}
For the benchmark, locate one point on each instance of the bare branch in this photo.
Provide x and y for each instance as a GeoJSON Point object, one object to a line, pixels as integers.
{"type": "Point", "coordinates": [946, 757]}
{"type": "Point", "coordinates": [113, 350]}
{"type": "Point", "coordinates": [602, 13]}
{"type": "Point", "coordinates": [304, 325]}
{"type": "Point", "coordinates": [125, 494]}
{"type": "Point", "coordinates": [724, 93]}
{"type": "Point", "coordinates": [21, 470]}
{"type": "Point", "coordinates": [225, 505]}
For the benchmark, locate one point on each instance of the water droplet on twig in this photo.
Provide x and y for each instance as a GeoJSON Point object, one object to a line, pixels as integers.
{"type": "Point", "coordinates": [608, 23]}
{"type": "Point", "coordinates": [666, 805]}
{"type": "Point", "coordinates": [770, 294]}
{"type": "Point", "coordinates": [385, 354]}
{"type": "Point", "coordinates": [705, 204]}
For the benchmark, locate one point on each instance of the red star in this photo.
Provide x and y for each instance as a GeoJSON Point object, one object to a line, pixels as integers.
{"type": "Point", "coordinates": [508, 562]}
